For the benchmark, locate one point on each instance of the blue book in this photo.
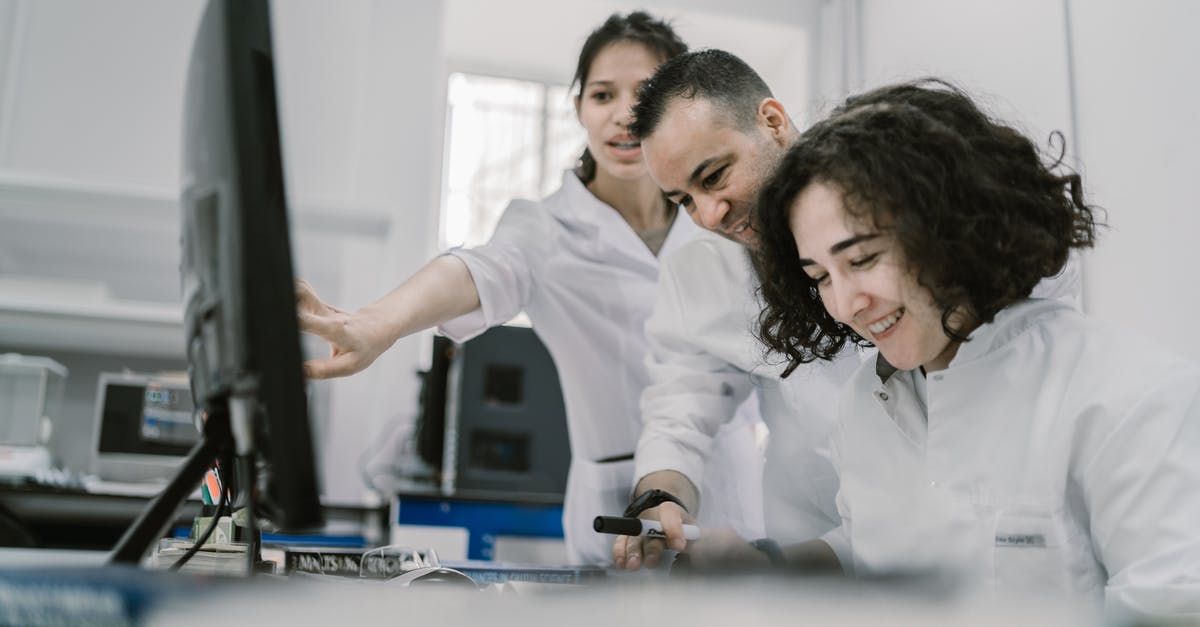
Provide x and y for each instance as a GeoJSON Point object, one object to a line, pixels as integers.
{"type": "Point", "coordinates": [485, 572]}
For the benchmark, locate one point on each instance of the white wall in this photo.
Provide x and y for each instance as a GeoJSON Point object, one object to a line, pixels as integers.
{"type": "Point", "coordinates": [773, 37]}
{"type": "Point", "coordinates": [1011, 54]}
{"type": "Point", "coordinates": [1135, 132]}
{"type": "Point", "coordinates": [1139, 130]}
{"type": "Point", "coordinates": [361, 84]}
{"type": "Point", "coordinates": [91, 75]}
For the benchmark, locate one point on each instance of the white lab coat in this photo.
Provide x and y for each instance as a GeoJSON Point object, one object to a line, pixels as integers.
{"type": "Point", "coordinates": [586, 281]}
{"type": "Point", "coordinates": [1053, 456]}
{"type": "Point", "coordinates": [704, 360]}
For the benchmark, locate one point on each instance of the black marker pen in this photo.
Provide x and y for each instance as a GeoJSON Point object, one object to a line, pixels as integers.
{"type": "Point", "coordinates": [639, 527]}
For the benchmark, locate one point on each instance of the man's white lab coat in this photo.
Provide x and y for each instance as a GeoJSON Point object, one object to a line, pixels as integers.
{"type": "Point", "coordinates": [704, 361]}
{"type": "Point", "coordinates": [587, 282]}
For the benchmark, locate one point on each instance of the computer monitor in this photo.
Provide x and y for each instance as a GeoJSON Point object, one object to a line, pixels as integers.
{"type": "Point", "coordinates": [144, 427]}
{"type": "Point", "coordinates": [242, 337]}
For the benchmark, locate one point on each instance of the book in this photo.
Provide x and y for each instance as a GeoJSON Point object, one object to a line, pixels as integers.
{"type": "Point", "coordinates": [222, 558]}
{"type": "Point", "coordinates": [388, 562]}
{"type": "Point", "coordinates": [376, 563]}
{"type": "Point", "coordinates": [485, 572]}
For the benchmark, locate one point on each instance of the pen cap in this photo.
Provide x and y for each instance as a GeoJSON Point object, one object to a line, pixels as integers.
{"type": "Point", "coordinates": [621, 526]}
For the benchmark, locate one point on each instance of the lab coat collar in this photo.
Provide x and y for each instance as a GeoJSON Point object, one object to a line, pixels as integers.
{"type": "Point", "coordinates": [883, 369]}
{"type": "Point", "coordinates": [580, 203]}
{"type": "Point", "coordinates": [579, 207]}
{"type": "Point", "coordinates": [1011, 322]}
{"type": "Point", "coordinates": [574, 205]}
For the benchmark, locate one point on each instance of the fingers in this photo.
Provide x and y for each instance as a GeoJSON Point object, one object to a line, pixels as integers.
{"type": "Point", "coordinates": [671, 517]}
{"type": "Point", "coordinates": [652, 550]}
{"type": "Point", "coordinates": [336, 366]}
{"type": "Point", "coordinates": [313, 312]}
{"type": "Point", "coordinates": [307, 300]}
{"type": "Point", "coordinates": [324, 326]}
{"type": "Point", "coordinates": [306, 296]}
{"type": "Point", "coordinates": [633, 553]}
{"type": "Point", "coordinates": [618, 552]}
{"type": "Point", "coordinates": [627, 552]}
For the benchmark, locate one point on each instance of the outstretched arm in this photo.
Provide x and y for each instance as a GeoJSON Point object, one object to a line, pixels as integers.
{"type": "Point", "coordinates": [441, 290]}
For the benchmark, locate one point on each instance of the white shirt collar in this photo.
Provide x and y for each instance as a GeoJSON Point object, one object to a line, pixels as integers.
{"type": "Point", "coordinates": [1011, 322]}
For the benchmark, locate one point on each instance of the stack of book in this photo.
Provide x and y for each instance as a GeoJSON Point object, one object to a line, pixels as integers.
{"type": "Point", "coordinates": [213, 558]}
{"type": "Point", "coordinates": [378, 563]}
{"type": "Point", "coordinates": [389, 562]}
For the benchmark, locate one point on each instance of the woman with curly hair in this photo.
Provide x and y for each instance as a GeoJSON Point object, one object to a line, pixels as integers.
{"type": "Point", "coordinates": [1007, 440]}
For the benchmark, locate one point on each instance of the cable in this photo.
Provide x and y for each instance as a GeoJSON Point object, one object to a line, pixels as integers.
{"type": "Point", "coordinates": [195, 548]}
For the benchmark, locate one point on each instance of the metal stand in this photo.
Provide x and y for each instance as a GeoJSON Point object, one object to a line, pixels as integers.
{"type": "Point", "coordinates": [216, 442]}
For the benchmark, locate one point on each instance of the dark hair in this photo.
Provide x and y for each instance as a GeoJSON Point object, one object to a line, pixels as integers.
{"type": "Point", "coordinates": [714, 75]}
{"type": "Point", "coordinates": [638, 27]}
{"type": "Point", "coordinates": [978, 216]}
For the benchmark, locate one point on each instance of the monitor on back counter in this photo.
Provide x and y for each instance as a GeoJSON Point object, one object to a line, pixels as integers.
{"type": "Point", "coordinates": [143, 427]}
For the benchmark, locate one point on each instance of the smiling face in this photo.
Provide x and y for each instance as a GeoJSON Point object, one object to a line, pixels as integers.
{"type": "Point", "coordinates": [712, 169]}
{"type": "Point", "coordinates": [864, 282]}
{"type": "Point", "coordinates": [605, 103]}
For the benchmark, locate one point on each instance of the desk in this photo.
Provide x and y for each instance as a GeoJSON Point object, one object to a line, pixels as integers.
{"type": "Point", "coordinates": [65, 518]}
{"type": "Point", "coordinates": [158, 598]}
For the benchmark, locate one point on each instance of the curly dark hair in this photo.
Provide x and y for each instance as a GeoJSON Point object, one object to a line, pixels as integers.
{"type": "Point", "coordinates": [979, 217]}
{"type": "Point", "coordinates": [714, 75]}
{"type": "Point", "coordinates": [638, 27]}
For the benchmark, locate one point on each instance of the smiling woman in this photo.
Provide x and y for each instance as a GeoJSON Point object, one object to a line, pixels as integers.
{"type": "Point", "coordinates": [973, 215]}
{"type": "Point", "coordinates": [864, 282]}
{"type": "Point", "coordinates": [1026, 448]}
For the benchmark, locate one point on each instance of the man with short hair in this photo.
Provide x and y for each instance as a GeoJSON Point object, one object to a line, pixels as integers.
{"type": "Point", "coordinates": [711, 133]}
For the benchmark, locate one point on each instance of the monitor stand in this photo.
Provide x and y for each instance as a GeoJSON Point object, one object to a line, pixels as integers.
{"type": "Point", "coordinates": [217, 442]}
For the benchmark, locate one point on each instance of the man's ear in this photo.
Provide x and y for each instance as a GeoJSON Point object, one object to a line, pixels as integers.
{"type": "Point", "coordinates": [774, 118]}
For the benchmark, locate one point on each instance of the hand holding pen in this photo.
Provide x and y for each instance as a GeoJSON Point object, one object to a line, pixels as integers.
{"type": "Point", "coordinates": [619, 525]}
{"type": "Point", "coordinates": [633, 552]}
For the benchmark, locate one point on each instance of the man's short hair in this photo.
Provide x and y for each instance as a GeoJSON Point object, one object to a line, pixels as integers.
{"type": "Point", "coordinates": [714, 75]}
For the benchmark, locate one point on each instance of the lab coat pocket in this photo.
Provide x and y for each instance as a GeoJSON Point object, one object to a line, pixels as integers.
{"type": "Point", "coordinates": [1030, 552]}
{"type": "Point", "coordinates": [594, 489]}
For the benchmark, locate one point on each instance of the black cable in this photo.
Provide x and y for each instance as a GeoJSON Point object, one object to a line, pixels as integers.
{"type": "Point", "coordinates": [195, 548]}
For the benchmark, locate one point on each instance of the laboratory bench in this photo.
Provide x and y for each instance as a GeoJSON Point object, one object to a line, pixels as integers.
{"type": "Point", "coordinates": [38, 516]}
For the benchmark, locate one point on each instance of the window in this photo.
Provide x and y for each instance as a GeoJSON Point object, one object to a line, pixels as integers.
{"type": "Point", "coordinates": [505, 139]}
